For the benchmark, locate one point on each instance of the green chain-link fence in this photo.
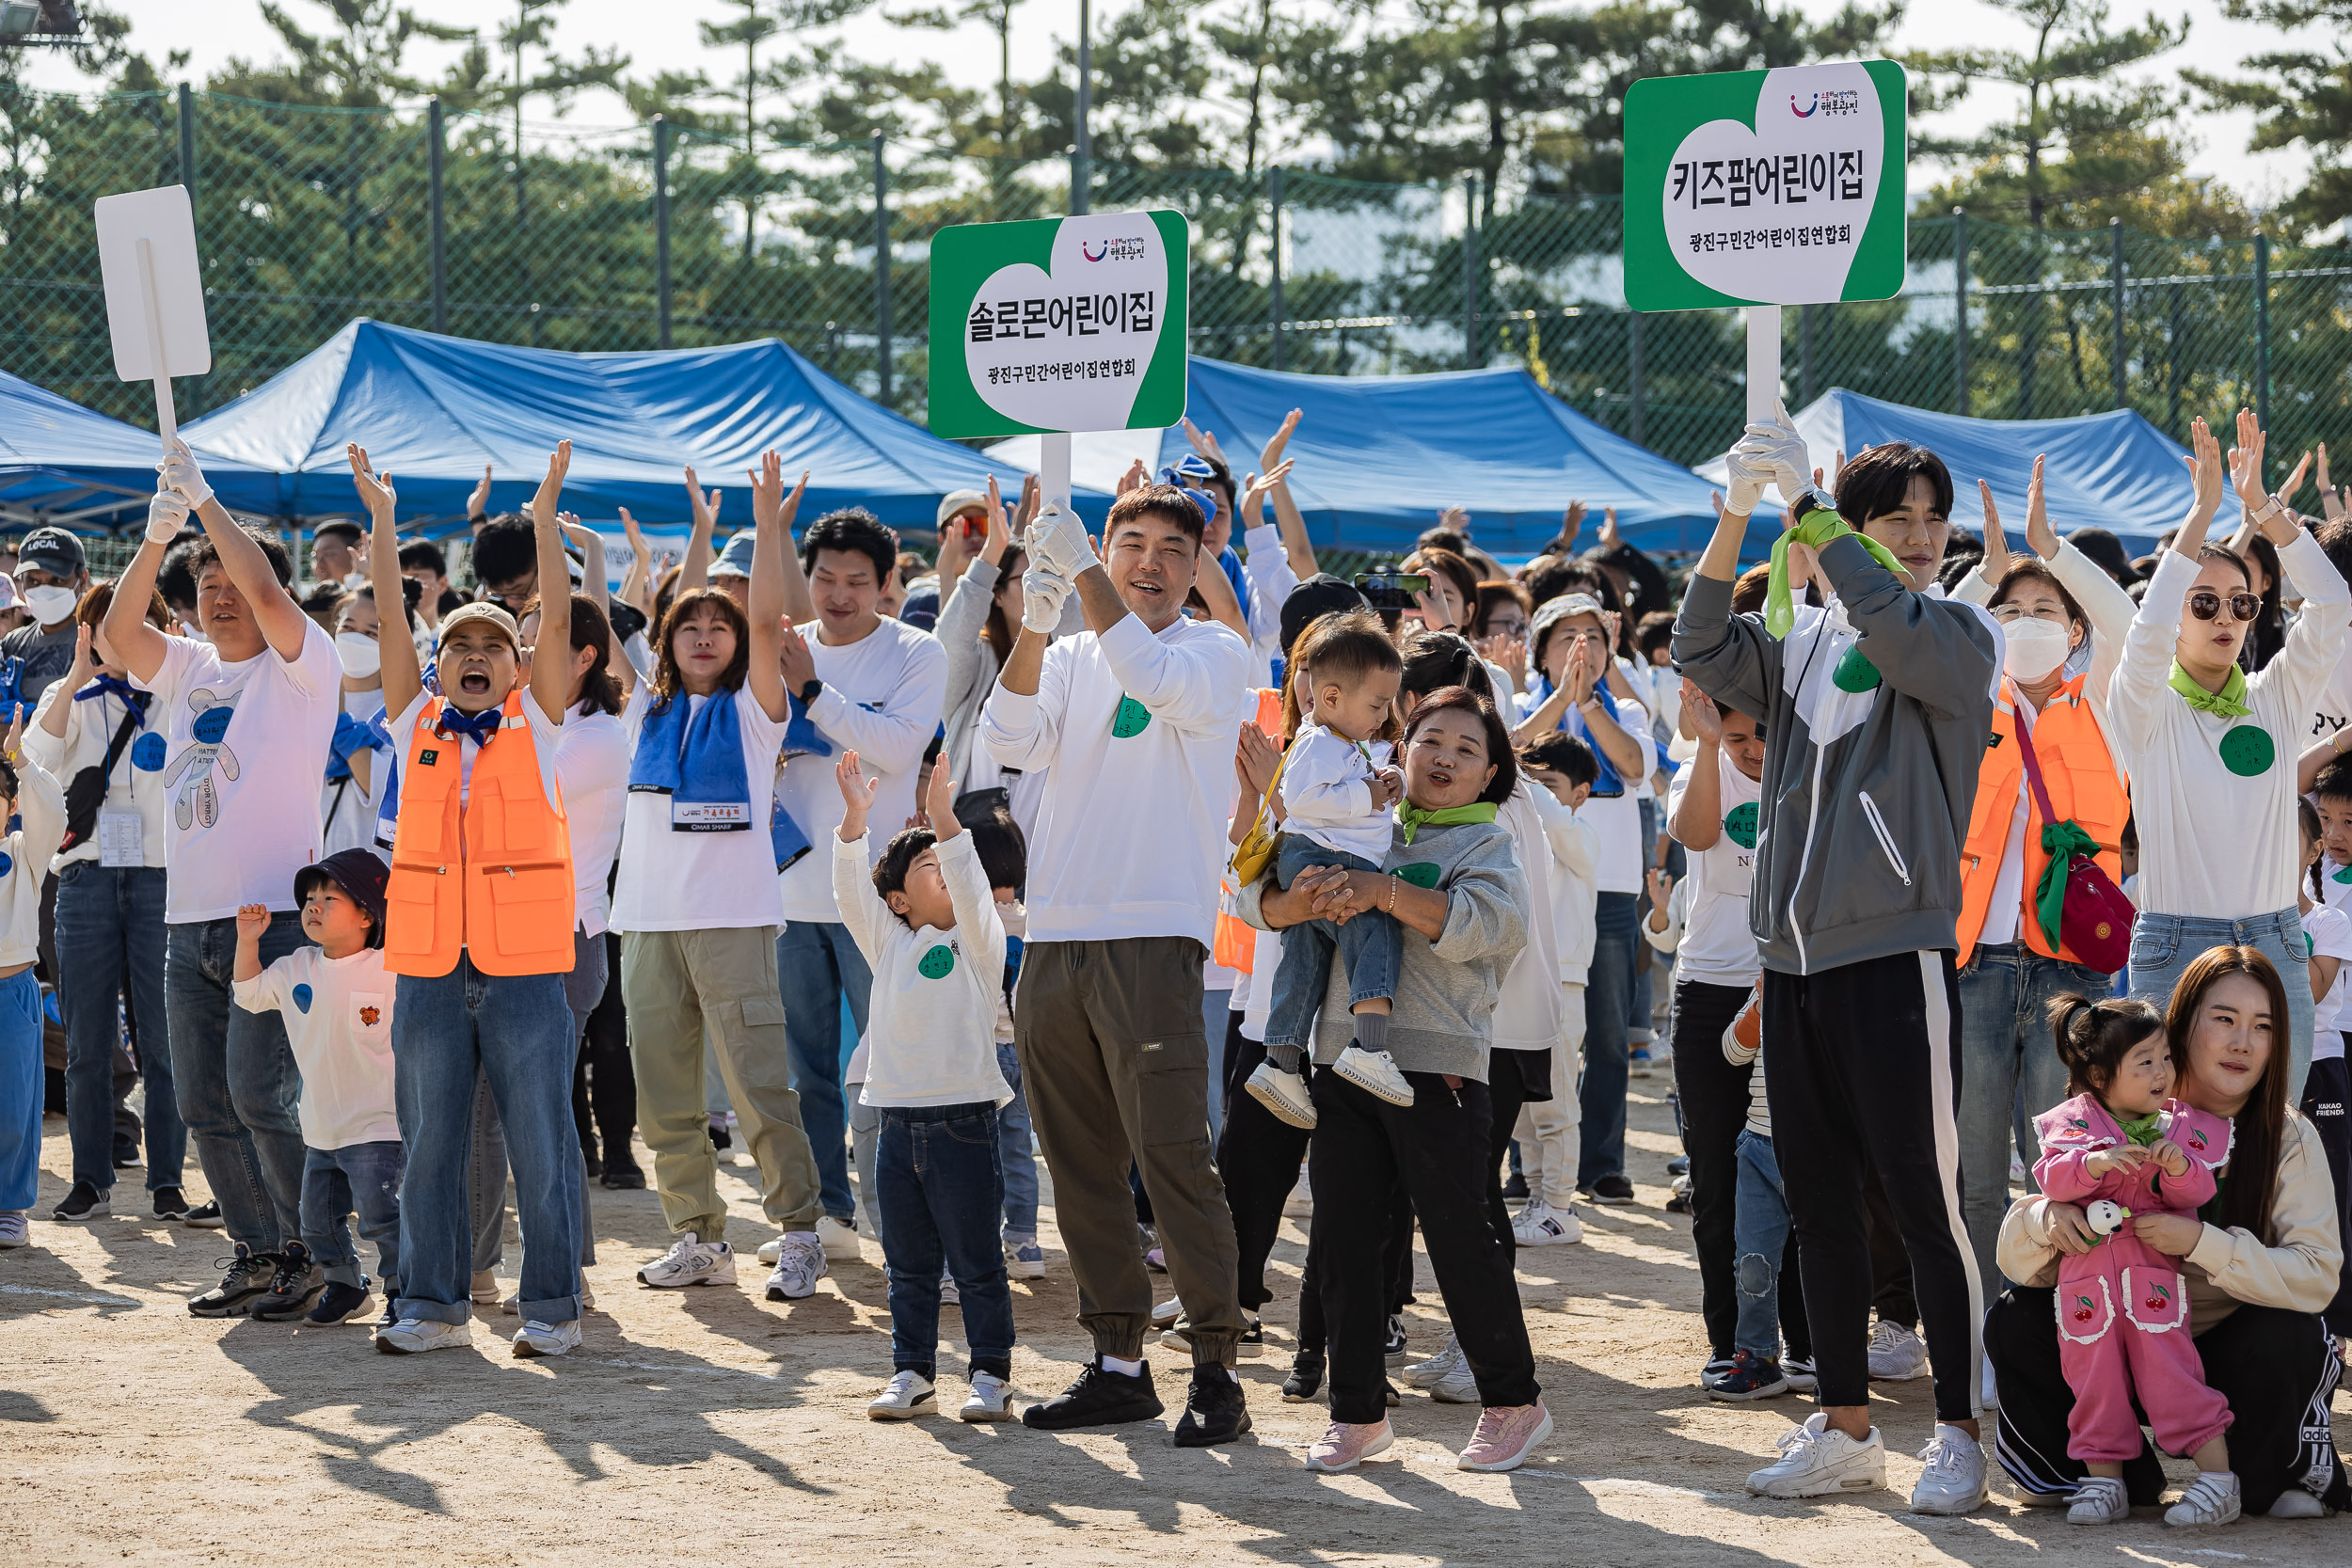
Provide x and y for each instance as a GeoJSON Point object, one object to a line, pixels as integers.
{"type": "Point", "coordinates": [652, 235]}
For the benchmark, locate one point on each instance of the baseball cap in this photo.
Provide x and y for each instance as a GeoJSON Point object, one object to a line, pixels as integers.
{"type": "Point", "coordinates": [736, 560]}
{"type": "Point", "coordinates": [359, 873]}
{"type": "Point", "coordinates": [959, 500]}
{"type": "Point", "coordinates": [53, 550]}
{"type": "Point", "coordinates": [1312, 599]}
{"type": "Point", "coordinates": [480, 611]}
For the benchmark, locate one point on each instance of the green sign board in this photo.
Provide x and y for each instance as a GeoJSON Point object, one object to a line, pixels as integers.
{"type": "Point", "coordinates": [1765, 188]}
{"type": "Point", "coordinates": [1059, 325]}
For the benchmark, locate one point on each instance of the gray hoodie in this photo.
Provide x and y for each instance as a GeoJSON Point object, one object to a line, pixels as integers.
{"type": "Point", "coordinates": [1877, 712]}
{"type": "Point", "coordinates": [1442, 1019]}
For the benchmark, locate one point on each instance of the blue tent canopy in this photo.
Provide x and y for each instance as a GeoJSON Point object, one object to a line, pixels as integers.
{"type": "Point", "coordinates": [433, 410]}
{"type": "Point", "coordinates": [63, 464]}
{"type": "Point", "coordinates": [1380, 455]}
{"type": "Point", "coordinates": [2112, 470]}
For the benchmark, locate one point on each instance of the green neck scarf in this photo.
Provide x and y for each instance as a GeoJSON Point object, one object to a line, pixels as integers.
{"type": "Point", "coordinates": [1414, 818]}
{"type": "Point", "coordinates": [2061, 842]}
{"type": "Point", "coordinates": [2140, 1129]}
{"type": "Point", "coordinates": [2230, 702]}
{"type": "Point", "coordinates": [1818, 528]}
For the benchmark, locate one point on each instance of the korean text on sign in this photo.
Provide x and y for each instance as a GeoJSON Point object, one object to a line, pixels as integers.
{"type": "Point", "coordinates": [1801, 237]}
{"type": "Point", "coordinates": [1068, 370]}
{"type": "Point", "coordinates": [1788, 179]}
{"type": "Point", "coordinates": [1066, 316]}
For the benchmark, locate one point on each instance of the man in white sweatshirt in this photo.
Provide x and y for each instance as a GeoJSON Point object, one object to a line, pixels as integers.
{"type": "Point", "coordinates": [1136, 717]}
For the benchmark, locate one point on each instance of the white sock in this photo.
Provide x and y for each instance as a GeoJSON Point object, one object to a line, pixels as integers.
{"type": "Point", "coordinates": [1234, 1373]}
{"type": "Point", "coordinates": [1123, 1367]}
{"type": "Point", "coordinates": [804, 1235]}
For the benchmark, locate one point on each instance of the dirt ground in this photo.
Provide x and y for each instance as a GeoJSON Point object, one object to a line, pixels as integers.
{"type": "Point", "coordinates": [710, 1423]}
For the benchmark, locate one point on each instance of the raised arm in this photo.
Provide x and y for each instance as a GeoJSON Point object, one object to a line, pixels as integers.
{"type": "Point", "coordinates": [2141, 678]}
{"type": "Point", "coordinates": [401, 674]}
{"type": "Point", "coordinates": [591, 546]}
{"type": "Point", "coordinates": [863, 909]}
{"type": "Point", "coordinates": [693, 572]}
{"type": "Point", "coordinates": [1216, 592]}
{"type": "Point", "coordinates": [773, 511]}
{"type": "Point", "coordinates": [279, 619]}
{"type": "Point", "coordinates": [1730, 658]}
{"type": "Point", "coordinates": [1197, 686]}
{"type": "Point", "coordinates": [552, 655]}
{"type": "Point", "coordinates": [1694, 809]}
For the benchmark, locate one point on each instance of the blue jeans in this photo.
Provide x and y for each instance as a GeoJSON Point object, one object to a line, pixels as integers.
{"type": "Point", "coordinates": [1759, 1240]}
{"type": "Point", "coordinates": [485, 1189]}
{"type": "Point", "coordinates": [1608, 984]}
{"type": "Point", "coordinates": [336, 1181]}
{"type": "Point", "coordinates": [817, 965]}
{"type": "Point", "coordinates": [2164, 946]}
{"type": "Point", "coordinates": [110, 942]}
{"type": "Point", "coordinates": [21, 1091]}
{"type": "Point", "coordinates": [941, 1190]}
{"type": "Point", "coordinates": [2010, 1073]}
{"type": "Point", "coordinates": [448, 1033]}
{"type": "Point", "coordinates": [236, 1080]}
{"type": "Point", "coordinates": [1016, 1154]}
{"type": "Point", "coordinates": [1367, 944]}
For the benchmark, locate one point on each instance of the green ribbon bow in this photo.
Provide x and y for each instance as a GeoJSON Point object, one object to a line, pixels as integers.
{"type": "Point", "coordinates": [1414, 818]}
{"type": "Point", "coordinates": [2230, 702]}
{"type": "Point", "coordinates": [2061, 842]}
{"type": "Point", "coordinates": [1817, 529]}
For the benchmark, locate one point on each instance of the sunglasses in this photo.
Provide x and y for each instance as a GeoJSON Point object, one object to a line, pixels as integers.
{"type": "Point", "coordinates": [2206, 604]}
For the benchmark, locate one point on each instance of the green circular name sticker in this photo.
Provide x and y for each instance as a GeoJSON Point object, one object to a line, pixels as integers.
{"type": "Point", "coordinates": [1421, 874]}
{"type": "Point", "coordinates": [1132, 718]}
{"type": "Point", "coordinates": [1740, 824]}
{"type": "Point", "coordinates": [1855, 673]}
{"type": "Point", "coordinates": [2248, 751]}
{"type": "Point", "coordinates": [938, 963]}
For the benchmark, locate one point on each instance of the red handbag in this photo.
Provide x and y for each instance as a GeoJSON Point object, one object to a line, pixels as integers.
{"type": "Point", "coordinates": [2095, 923]}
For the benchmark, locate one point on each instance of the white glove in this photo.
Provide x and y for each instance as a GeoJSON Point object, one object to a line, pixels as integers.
{"type": "Point", "coordinates": [1042, 593]}
{"type": "Point", "coordinates": [182, 474]}
{"type": "Point", "coordinates": [1775, 447]}
{"type": "Point", "coordinates": [166, 514]}
{"type": "Point", "coordinates": [1748, 476]}
{"type": "Point", "coordinates": [1058, 541]}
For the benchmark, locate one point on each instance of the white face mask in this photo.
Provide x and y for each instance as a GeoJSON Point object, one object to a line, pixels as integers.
{"type": "Point", "coordinates": [50, 605]}
{"type": "Point", "coordinates": [2035, 647]}
{"type": "Point", "coordinates": [361, 654]}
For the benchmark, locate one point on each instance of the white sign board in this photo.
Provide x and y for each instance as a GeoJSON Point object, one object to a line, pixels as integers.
{"type": "Point", "coordinates": [154, 289]}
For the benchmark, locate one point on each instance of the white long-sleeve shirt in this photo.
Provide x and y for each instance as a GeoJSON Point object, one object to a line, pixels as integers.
{"type": "Point", "coordinates": [24, 857]}
{"type": "Point", "coordinates": [2213, 842]}
{"type": "Point", "coordinates": [1574, 856]}
{"type": "Point", "coordinates": [1130, 833]}
{"type": "Point", "coordinates": [1326, 793]}
{"type": "Point", "coordinates": [930, 1029]}
{"type": "Point", "coordinates": [1271, 579]}
{"type": "Point", "coordinates": [1527, 1015]}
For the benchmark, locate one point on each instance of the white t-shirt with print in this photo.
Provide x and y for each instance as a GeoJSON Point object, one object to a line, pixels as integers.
{"type": "Point", "coordinates": [1716, 945]}
{"type": "Point", "coordinates": [339, 1020]}
{"type": "Point", "coordinates": [246, 746]}
{"type": "Point", "coordinates": [694, 882]}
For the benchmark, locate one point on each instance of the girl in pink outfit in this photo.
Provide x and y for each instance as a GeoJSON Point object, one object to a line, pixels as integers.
{"type": "Point", "coordinates": [2123, 1307]}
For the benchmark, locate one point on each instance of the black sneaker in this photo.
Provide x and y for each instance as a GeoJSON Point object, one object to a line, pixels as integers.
{"type": "Point", "coordinates": [621, 1172]}
{"type": "Point", "coordinates": [171, 1204]}
{"type": "Point", "coordinates": [204, 1217]}
{"type": "Point", "coordinates": [85, 1202]}
{"type": "Point", "coordinates": [1393, 1347]}
{"type": "Point", "coordinates": [247, 1281]}
{"type": "Point", "coordinates": [1516, 1186]}
{"type": "Point", "coordinates": [292, 1287]}
{"type": "Point", "coordinates": [386, 1318]}
{"type": "Point", "coordinates": [1678, 1165]}
{"type": "Point", "coordinates": [1390, 1397]}
{"type": "Point", "coordinates": [1215, 1411]}
{"type": "Point", "coordinates": [595, 1166]}
{"type": "Point", "coordinates": [1305, 1379]}
{"type": "Point", "coordinates": [338, 1304]}
{"type": "Point", "coordinates": [126, 1153]}
{"type": "Point", "coordinates": [1611, 1189]}
{"type": "Point", "coordinates": [1750, 1376]}
{"type": "Point", "coordinates": [1099, 1398]}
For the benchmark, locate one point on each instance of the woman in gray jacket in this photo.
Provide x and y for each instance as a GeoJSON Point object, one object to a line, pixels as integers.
{"type": "Point", "coordinates": [978, 616]}
{"type": "Point", "coordinates": [1452, 882]}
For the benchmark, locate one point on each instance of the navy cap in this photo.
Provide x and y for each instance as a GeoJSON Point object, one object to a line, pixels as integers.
{"type": "Point", "coordinates": [359, 873]}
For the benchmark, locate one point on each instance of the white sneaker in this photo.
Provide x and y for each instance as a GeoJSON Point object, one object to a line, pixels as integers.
{"type": "Point", "coordinates": [691, 1261]}
{"type": "Point", "coordinates": [2295, 1503]}
{"type": "Point", "coordinates": [768, 1248]}
{"type": "Point", "coordinates": [1897, 1355]}
{"type": "Point", "coordinates": [839, 1240]}
{"type": "Point", "coordinates": [1540, 1224]}
{"type": "Point", "coordinates": [2099, 1501]}
{"type": "Point", "coordinates": [1816, 1460]}
{"type": "Point", "coordinates": [907, 1395]}
{"type": "Point", "coordinates": [13, 1232]}
{"type": "Point", "coordinates": [1024, 1259]}
{"type": "Point", "coordinates": [1425, 1374]}
{"type": "Point", "coordinates": [537, 1338]}
{"type": "Point", "coordinates": [1953, 1480]}
{"type": "Point", "coordinates": [949, 1293]}
{"type": "Point", "coordinates": [1283, 1094]}
{"type": "Point", "coordinates": [415, 1335]}
{"type": "Point", "coordinates": [2211, 1498]}
{"type": "Point", "coordinates": [991, 1400]}
{"type": "Point", "coordinates": [1459, 1386]}
{"type": "Point", "coordinates": [1167, 1312]}
{"type": "Point", "coordinates": [799, 1264]}
{"type": "Point", "coordinates": [1375, 1073]}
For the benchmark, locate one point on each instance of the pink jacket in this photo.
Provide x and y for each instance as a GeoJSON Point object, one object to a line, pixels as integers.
{"type": "Point", "coordinates": [2077, 1129]}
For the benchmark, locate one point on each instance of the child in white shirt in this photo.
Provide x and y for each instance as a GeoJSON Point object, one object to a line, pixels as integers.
{"type": "Point", "coordinates": [1004, 851]}
{"type": "Point", "coordinates": [24, 860]}
{"type": "Point", "coordinates": [1339, 791]}
{"type": "Point", "coordinates": [2328, 1091]}
{"type": "Point", "coordinates": [925, 922]}
{"type": "Point", "coordinates": [1548, 1131]}
{"type": "Point", "coordinates": [337, 1003]}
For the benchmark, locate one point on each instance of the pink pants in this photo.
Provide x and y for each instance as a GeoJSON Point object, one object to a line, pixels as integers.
{"type": "Point", "coordinates": [2122, 1321]}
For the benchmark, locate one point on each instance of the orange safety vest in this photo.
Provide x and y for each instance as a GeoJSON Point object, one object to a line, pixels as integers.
{"type": "Point", "coordinates": [2084, 784]}
{"type": "Point", "coordinates": [490, 876]}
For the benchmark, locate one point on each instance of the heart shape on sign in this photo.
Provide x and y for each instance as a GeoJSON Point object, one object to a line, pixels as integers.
{"type": "Point", "coordinates": [1103, 297]}
{"type": "Point", "coordinates": [1818, 135]}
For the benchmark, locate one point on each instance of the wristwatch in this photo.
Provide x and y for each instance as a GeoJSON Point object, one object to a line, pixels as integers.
{"type": "Point", "coordinates": [1807, 501]}
{"type": "Point", "coordinates": [809, 690]}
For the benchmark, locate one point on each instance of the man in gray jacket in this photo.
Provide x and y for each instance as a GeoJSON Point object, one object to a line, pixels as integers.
{"type": "Point", "coordinates": [1877, 709]}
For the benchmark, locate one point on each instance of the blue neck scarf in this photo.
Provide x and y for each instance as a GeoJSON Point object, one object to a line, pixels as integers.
{"type": "Point", "coordinates": [481, 728]}
{"type": "Point", "coordinates": [1608, 787]}
{"type": "Point", "coordinates": [802, 736]}
{"type": "Point", "coordinates": [106, 685]}
{"type": "Point", "coordinates": [700, 760]}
